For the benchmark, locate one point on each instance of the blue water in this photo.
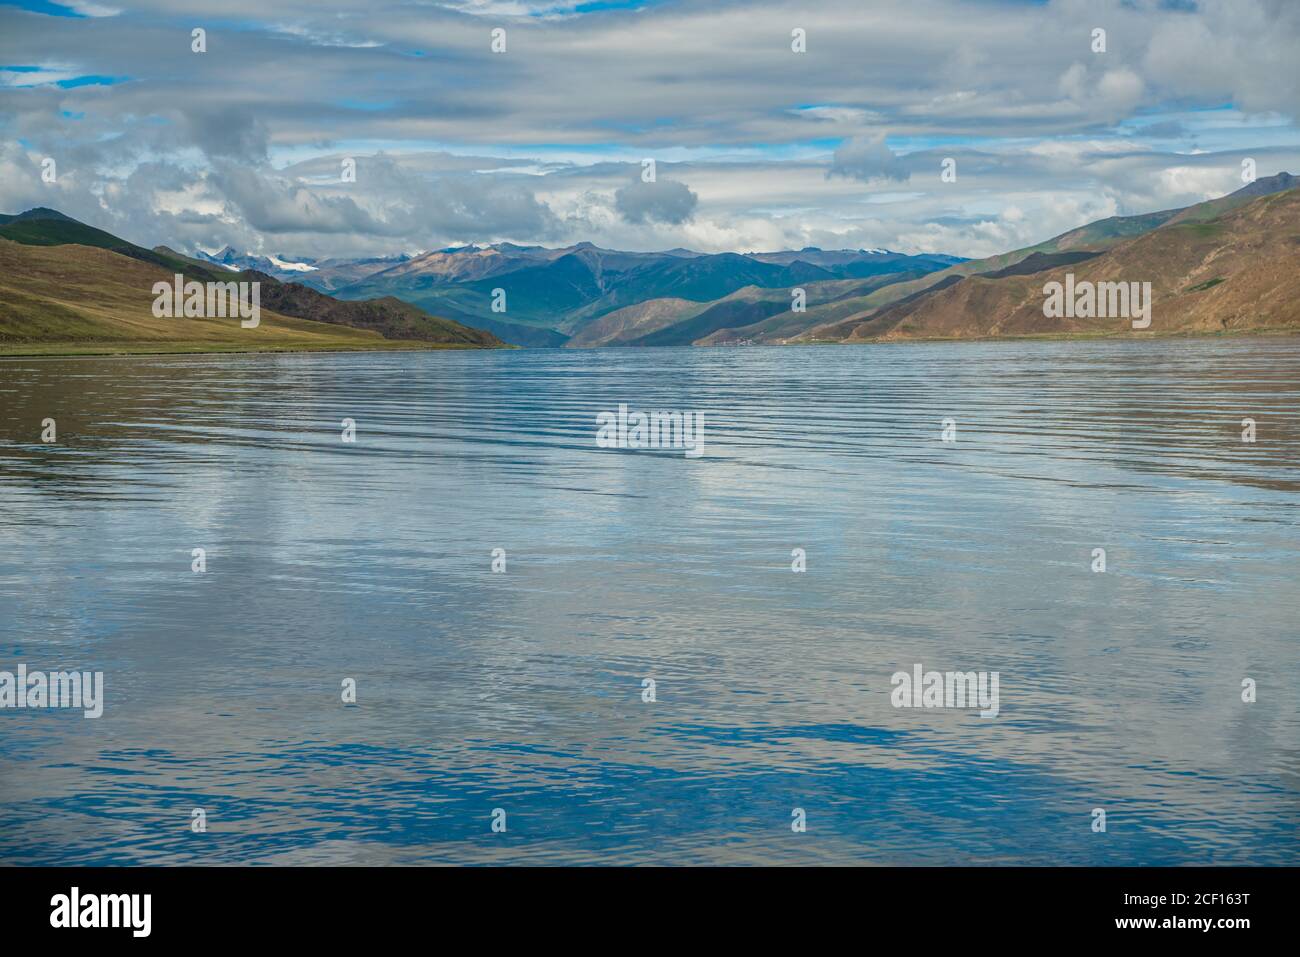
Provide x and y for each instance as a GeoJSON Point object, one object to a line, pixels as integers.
{"type": "Point", "coordinates": [522, 690]}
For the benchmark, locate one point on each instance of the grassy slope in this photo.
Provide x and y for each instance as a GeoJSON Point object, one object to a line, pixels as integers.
{"type": "Point", "coordinates": [827, 301]}
{"type": "Point", "coordinates": [1236, 272]}
{"type": "Point", "coordinates": [1099, 236]}
{"type": "Point", "coordinates": [1094, 237]}
{"type": "Point", "coordinates": [762, 313]}
{"type": "Point", "coordinates": [59, 294]}
{"type": "Point", "coordinates": [76, 299]}
{"type": "Point", "coordinates": [59, 230]}
{"type": "Point", "coordinates": [623, 325]}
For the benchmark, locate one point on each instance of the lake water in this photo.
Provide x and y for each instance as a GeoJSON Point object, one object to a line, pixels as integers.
{"type": "Point", "coordinates": [522, 690]}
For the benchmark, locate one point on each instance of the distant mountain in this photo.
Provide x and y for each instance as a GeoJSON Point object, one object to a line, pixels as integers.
{"type": "Point", "coordinates": [322, 274]}
{"type": "Point", "coordinates": [825, 302]}
{"type": "Point", "coordinates": [552, 296]}
{"type": "Point", "coordinates": [755, 314]}
{"type": "Point", "coordinates": [271, 265]}
{"type": "Point", "coordinates": [1226, 265]}
{"type": "Point", "coordinates": [628, 324]}
{"type": "Point", "coordinates": [69, 287]}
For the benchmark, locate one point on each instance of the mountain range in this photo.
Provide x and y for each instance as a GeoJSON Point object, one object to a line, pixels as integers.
{"type": "Point", "coordinates": [585, 296]}
{"type": "Point", "coordinates": [1225, 265]}
{"type": "Point", "coordinates": [555, 296]}
{"type": "Point", "coordinates": [324, 275]}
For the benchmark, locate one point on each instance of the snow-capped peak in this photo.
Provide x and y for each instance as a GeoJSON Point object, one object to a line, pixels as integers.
{"type": "Point", "coordinates": [279, 263]}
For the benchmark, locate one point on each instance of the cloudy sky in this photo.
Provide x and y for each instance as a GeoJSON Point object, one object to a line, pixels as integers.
{"type": "Point", "coordinates": [756, 146]}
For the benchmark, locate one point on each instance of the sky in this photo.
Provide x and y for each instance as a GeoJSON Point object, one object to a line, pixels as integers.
{"type": "Point", "coordinates": [756, 146]}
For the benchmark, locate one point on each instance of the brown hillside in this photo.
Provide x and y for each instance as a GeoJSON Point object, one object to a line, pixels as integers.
{"type": "Point", "coordinates": [1236, 272]}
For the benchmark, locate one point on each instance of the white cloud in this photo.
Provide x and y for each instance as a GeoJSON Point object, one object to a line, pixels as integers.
{"type": "Point", "coordinates": [456, 144]}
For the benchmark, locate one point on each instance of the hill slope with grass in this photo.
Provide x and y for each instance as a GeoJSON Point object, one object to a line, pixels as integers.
{"type": "Point", "coordinates": [1002, 295]}
{"type": "Point", "coordinates": [66, 287]}
{"type": "Point", "coordinates": [1237, 270]}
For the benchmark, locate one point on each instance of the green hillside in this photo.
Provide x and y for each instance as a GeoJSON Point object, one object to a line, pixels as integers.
{"type": "Point", "coordinates": [69, 288]}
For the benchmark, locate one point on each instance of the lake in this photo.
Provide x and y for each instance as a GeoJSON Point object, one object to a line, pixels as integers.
{"type": "Point", "coordinates": [518, 696]}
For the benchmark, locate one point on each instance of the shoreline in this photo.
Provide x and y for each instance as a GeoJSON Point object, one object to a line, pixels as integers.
{"type": "Point", "coordinates": [1056, 337]}
{"type": "Point", "coordinates": [86, 351]}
